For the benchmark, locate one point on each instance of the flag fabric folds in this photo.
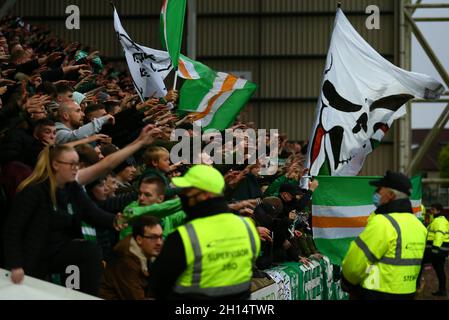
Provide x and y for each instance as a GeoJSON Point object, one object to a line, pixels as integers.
{"type": "Point", "coordinates": [361, 95]}
{"type": "Point", "coordinates": [216, 98]}
{"type": "Point", "coordinates": [341, 207]}
{"type": "Point", "coordinates": [190, 69]}
{"type": "Point", "coordinates": [148, 67]}
{"type": "Point", "coordinates": [172, 25]}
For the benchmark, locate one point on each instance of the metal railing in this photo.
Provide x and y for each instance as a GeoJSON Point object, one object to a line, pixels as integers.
{"type": "Point", "coordinates": [434, 195]}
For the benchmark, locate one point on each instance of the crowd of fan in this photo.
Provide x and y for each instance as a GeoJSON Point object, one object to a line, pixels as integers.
{"type": "Point", "coordinates": [57, 97]}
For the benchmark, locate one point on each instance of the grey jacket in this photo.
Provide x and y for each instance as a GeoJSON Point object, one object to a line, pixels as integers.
{"type": "Point", "coordinates": [65, 134]}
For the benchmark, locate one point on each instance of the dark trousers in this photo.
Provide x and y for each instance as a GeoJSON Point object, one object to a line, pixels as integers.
{"type": "Point", "coordinates": [86, 256]}
{"type": "Point", "coordinates": [438, 261]}
{"type": "Point", "coordinates": [375, 295]}
{"type": "Point", "coordinates": [425, 259]}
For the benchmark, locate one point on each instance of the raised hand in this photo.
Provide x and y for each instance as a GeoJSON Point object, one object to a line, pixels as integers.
{"type": "Point", "coordinates": [172, 95]}
{"type": "Point", "coordinates": [119, 222]}
{"type": "Point", "coordinates": [313, 185]}
{"type": "Point", "coordinates": [103, 138]}
{"type": "Point", "coordinates": [265, 234]}
{"type": "Point", "coordinates": [53, 56]}
{"type": "Point", "coordinates": [148, 134]}
{"type": "Point", "coordinates": [246, 212]}
{"type": "Point", "coordinates": [17, 275]}
{"type": "Point", "coordinates": [71, 47]}
{"type": "Point", "coordinates": [92, 55]}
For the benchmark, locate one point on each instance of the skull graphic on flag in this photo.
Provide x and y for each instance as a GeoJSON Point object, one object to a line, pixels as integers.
{"type": "Point", "coordinates": [362, 93]}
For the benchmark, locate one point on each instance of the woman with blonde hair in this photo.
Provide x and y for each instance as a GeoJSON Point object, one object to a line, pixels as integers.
{"type": "Point", "coordinates": [42, 233]}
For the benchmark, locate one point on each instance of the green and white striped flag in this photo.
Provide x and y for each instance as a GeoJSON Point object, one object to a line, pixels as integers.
{"type": "Point", "coordinates": [172, 25]}
{"type": "Point", "coordinates": [89, 232]}
{"type": "Point", "coordinates": [215, 97]}
{"type": "Point", "coordinates": [340, 210]}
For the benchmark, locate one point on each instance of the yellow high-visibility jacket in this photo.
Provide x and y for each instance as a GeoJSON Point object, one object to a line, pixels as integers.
{"type": "Point", "coordinates": [438, 235]}
{"type": "Point", "coordinates": [386, 256]}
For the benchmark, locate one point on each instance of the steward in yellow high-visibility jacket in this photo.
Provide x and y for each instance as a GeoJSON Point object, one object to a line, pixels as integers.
{"type": "Point", "coordinates": [212, 256]}
{"type": "Point", "coordinates": [438, 235]}
{"type": "Point", "coordinates": [384, 261]}
{"type": "Point", "coordinates": [437, 246]}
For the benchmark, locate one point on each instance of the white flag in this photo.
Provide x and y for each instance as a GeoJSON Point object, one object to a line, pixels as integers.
{"type": "Point", "coordinates": [148, 67]}
{"type": "Point", "coordinates": [361, 95]}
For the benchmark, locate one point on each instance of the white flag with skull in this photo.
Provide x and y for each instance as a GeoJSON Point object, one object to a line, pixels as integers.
{"type": "Point", "coordinates": [148, 67]}
{"type": "Point", "coordinates": [362, 93]}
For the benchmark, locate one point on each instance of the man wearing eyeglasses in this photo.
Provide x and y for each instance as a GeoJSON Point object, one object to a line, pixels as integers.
{"type": "Point", "coordinates": [126, 277]}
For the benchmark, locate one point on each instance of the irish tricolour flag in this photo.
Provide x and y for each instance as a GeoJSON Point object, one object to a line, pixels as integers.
{"type": "Point", "coordinates": [215, 98]}
{"type": "Point", "coordinates": [340, 209]}
{"type": "Point", "coordinates": [190, 69]}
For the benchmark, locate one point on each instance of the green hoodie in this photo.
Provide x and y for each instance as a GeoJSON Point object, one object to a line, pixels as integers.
{"type": "Point", "coordinates": [170, 212]}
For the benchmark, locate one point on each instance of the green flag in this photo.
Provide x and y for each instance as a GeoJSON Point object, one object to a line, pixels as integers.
{"type": "Point", "coordinates": [172, 25]}
{"type": "Point", "coordinates": [340, 210]}
{"type": "Point", "coordinates": [215, 97]}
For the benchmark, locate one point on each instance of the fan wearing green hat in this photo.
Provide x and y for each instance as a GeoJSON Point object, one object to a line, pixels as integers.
{"type": "Point", "coordinates": [212, 255]}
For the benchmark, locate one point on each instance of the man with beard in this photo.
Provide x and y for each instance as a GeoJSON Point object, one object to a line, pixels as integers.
{"type": "Point", "coordinates": [70, 126]}
{"type": "Point", "coordinates": [213, 254]}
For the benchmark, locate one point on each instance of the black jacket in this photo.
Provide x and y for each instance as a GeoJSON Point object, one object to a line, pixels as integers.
{"type": "Point", "coordinates": [171, 263]}
{"type": "Point", "coordinates": [107, 238]}
{"type": "Point", "coordinates": [118, 203]}
{"type": "Point", "coordinates": [28, 67]}
{"type": "Point", "coordinates": [298, 205]}
{"type": "Point", "coordinates": [248, 188]}
{"type": "Point", "coordinates": [34, 230]}
{"type": "Point", "coordinates": [20, 145]}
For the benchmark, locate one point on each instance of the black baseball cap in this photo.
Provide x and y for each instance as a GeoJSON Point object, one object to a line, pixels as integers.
{"type": "Point", "coordinates": [394, 180]}
{"type": "Point", "coordinates": [293, 189]}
